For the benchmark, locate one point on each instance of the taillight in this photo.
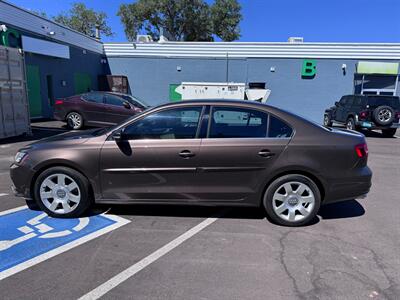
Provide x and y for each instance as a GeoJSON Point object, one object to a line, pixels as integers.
{"type": "Point", "coordinates": [58, 102]}
{"type": "Point", "coordinates": [361, 150]}
{"type": "Point", "coordinates": [363, 115]}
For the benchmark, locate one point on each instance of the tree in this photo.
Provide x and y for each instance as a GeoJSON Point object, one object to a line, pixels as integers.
{"type": "Point", "coordinates": [184, 20]}
{"type": "Point", "coordinates": [226, 17]}
{"type": "Point", "coordinates": [84, 20]}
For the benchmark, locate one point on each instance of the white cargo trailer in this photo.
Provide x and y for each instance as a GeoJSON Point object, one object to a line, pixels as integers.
{"type": "Point", "coordinates": [221, 90]}
{"type": "Point", "coordinates": [14, 109]}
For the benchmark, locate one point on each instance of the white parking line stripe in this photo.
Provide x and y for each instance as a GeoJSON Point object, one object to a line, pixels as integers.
{"type": "Point", "coordinates": [12, 210]}
{"type": "Point", "coordinates": [3, 194]}
{"type": "Point", "coordinates": [132, 270]}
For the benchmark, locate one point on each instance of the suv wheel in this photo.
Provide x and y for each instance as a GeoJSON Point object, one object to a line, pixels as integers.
{"type": "Point", "coordinates": [327, 120]}
{"type": "Point", "coordinates": [74, 120]}
{"type": "Point", "coordinates": [383, 115]}
{"type": "Point", "coordinates": [292, 200]}
{"type": "Point", "coordinates": [62, 192]}
{"type": "Point", "coordinates": [389, 132]}
{"type": "Point", "coordinates": [350, 124]}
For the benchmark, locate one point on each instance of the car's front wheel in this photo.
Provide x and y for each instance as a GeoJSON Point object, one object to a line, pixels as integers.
{"type": "Point", "coordinates": [292, 200]}
{"type": "Point", "coordinates": [74, 121]}
{"type": "Point", "coordinates": [62, 192]}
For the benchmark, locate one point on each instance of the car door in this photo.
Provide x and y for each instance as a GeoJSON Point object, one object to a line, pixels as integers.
{"type": "Point", "coordinates": [93, 107]}
{"type": "Point", "coordinates": [241, 146]}
{"type": "Point", "coordinates": [115, 110]}
{"type": "Point", "coordinates": [156, 159]}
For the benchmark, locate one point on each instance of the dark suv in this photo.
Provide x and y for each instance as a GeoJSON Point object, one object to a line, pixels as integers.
{"type": "Point", "coordinates": [366, 112]}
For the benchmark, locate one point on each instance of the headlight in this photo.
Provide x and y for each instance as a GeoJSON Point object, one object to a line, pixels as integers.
{"type": "Point", "coordinates": [19, 156]}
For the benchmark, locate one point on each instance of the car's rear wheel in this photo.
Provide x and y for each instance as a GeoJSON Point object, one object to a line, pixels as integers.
{"type": "Point", "coordinates": [350, 124]}
{"type": "Point", "coordinates": [389, 132]}
{"type": "Point", "coordinates": [62, 192]}
{"type": "Point", "coordinates": [292, 200]}
{"type": "Point", "coordinates": [327, 120]}
{"type": "Point", "coordinates": [74, 120]}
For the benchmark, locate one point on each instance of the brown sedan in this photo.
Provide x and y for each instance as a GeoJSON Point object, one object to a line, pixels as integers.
{"type": "Point", "coordinates": [199, 152]}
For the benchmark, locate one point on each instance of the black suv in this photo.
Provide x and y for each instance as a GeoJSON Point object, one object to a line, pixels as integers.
{"type": "Point", "coordinates": [366, 112]}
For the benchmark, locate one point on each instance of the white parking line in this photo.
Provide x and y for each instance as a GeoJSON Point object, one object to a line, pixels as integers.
{"type": "Point", "coordinates": [12, 210]}
{"type": "Point", "coordinates": [132, 270]}
{"type": "Point", "coordinates": [3, 194]}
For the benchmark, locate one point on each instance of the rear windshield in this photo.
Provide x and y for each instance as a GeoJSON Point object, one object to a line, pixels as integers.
{"type": "Point", "coordinates": [392, 101]}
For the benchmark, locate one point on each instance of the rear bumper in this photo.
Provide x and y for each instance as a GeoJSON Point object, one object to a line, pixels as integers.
{"type": "Point", "coordinates": [372, 125]}
{"type": "Point", "coordinates": [346, 188]}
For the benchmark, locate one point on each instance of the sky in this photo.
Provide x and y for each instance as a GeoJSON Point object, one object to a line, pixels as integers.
{"type": "Point", "coordinates": [276, 20]}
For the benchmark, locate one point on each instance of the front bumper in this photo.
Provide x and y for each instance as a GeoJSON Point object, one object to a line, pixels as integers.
{"type": "Point", "coordinates": [21, 177]}
{"type": "Point", "coordinates": [355, 186]}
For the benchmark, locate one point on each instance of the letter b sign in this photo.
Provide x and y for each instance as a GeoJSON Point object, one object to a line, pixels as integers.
{"type": "Point", "coordinates": [309, 69]}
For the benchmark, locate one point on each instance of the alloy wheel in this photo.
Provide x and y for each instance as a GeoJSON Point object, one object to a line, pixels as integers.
{"type": "Point", "coordinates": [74, 120]}
{"type": "Point", "coordinates": [384, 115]}
{"type": "Point", "coordinates": [293, 201]}
{"type": "Point", "coordinates": [349, 125]}
{"type": "Point", "coordinates": [60, 193]}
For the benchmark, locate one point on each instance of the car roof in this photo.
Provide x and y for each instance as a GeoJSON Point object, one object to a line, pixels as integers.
{"type": "Point", "coordinates": [217, 102]}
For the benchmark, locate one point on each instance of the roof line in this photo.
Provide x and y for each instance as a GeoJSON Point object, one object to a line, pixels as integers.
{"type": "Point", "coordinates": [49, 20]}
{"type": "Point", "coordinates": [254, 43]}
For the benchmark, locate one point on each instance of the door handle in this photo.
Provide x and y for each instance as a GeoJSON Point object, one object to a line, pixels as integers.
{"type": "Point", "coordinates": [266, 153]}
{"type": "Point", "coordinates": [186, 154]}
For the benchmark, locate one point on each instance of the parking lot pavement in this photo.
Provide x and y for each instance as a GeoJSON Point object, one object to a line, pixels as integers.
{"type": "Point", "coordinates": [350, 252]}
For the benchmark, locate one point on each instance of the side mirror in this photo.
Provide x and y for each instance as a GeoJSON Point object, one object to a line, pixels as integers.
{"type": "Point", "coordinates": [118, 136]}
{"type": "Point", "coordinates": [127, 105]}
{"type": "Point", "coordinates": [336, 103]}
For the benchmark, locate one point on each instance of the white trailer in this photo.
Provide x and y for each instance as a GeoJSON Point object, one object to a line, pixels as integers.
{"type": "Point", "coordinates": [221, 90]}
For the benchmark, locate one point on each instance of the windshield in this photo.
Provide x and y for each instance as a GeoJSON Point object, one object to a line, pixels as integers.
{"type": "Point", "coordinates": [135, 100]}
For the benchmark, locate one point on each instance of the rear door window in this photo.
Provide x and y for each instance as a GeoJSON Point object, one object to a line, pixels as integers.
{"type": "Point", "coordinates": [114, 100]}
{"type": "Point", "coordinates": [278, 128]}
{"type": "Point", "coordinates": [94, 97]}
{"type": "Point", "coordinates": [233, 122]}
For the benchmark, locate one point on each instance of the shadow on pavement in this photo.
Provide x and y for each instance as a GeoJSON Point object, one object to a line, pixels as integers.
{"type": "Point", "coordinates": [374, 134]}
{"type": "Point", "coordinates": [341, 210]}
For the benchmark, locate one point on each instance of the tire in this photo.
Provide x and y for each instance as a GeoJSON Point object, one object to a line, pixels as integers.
{"type": "Point", "coordinates": [327, 120]}
{"type": "Point", "coordinates": [285, 210]}
{"type": "Point", "coordinates": [383, 115]}
{"type": "Point", "coordinates": [62, 200]}
{"type": "Point", "coordinates": [350, 124]}
{"type": "Point", "coordinates": [74, 120]}
{"type": "Point", "coordinates": [389, 132]}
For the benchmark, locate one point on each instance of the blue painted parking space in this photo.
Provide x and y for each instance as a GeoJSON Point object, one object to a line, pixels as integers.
{"type": "Point", "coordinates": [28, 237]}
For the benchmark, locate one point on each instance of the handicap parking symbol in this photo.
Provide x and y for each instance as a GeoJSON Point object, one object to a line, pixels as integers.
{"type": "Point", "coordinates": [28, 237]}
